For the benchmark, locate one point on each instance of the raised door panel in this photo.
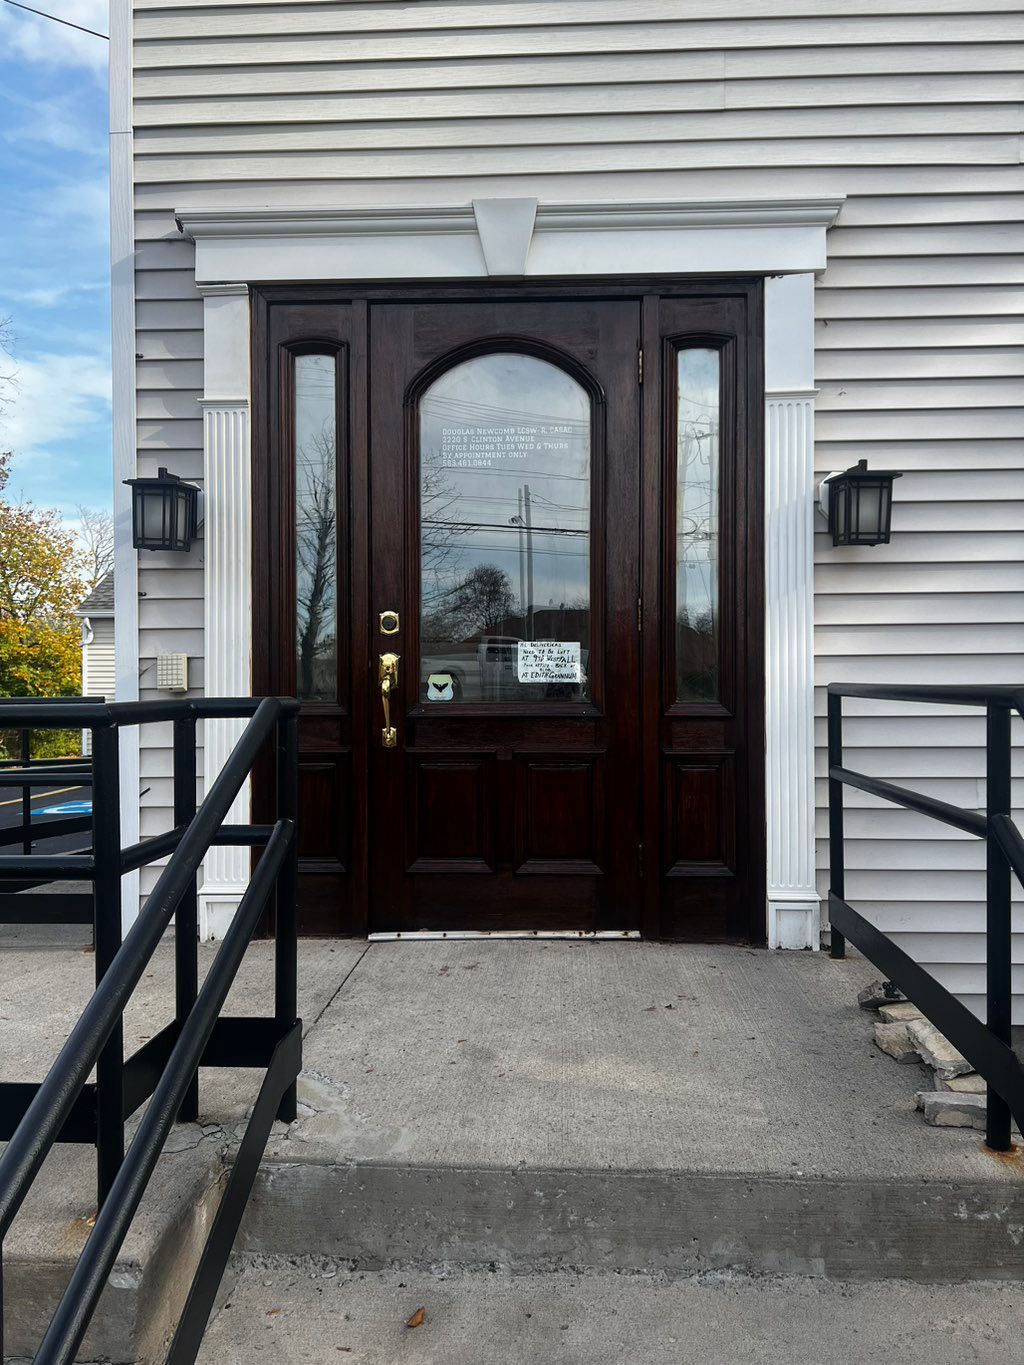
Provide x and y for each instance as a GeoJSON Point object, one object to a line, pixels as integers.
{"type": "Point", "coordinates": [700, 807]}
{"type": "Point", "coordinates": [450, 813]}
{"type": "Point", "coordinates": [560, 815]}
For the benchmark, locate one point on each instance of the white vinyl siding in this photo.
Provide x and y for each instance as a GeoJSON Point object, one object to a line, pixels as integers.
{"type": "Point", "coordinates": [98, 671]}
{"type": "Point", "coordinates": [910, 108]}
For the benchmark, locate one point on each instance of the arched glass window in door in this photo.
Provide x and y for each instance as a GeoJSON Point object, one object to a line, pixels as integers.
{"type": "Point", "coordinates": [505, 466]}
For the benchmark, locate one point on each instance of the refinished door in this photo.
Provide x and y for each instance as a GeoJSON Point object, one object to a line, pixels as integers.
{"type": "Point", "coordinates": [504, 539]}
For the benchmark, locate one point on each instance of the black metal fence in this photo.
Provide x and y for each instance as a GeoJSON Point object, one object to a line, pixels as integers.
{"type": "Point", "coordinates": [65, 1106]}
{"type": "Point", "coordinates": [987, 1046]}
{"type": "Point", "coordinates": [23, 772]}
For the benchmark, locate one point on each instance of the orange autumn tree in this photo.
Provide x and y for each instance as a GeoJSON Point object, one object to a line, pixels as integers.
{"type": "Point", "coordinates": [42, 581]}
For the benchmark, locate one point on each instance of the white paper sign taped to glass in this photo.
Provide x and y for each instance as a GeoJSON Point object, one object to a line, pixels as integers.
{"type": "Point", "coordinates": [549, 661]}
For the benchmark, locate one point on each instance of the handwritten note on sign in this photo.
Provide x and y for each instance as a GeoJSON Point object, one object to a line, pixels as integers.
{"type": "Point", "coordinates": [544, 661]}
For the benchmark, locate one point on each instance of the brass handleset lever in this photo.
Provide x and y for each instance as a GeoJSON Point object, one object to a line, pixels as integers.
{"type": "Point", "coordinates": [388, 688]}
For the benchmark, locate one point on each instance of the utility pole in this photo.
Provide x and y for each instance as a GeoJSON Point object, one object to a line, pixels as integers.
{"type": "Point", "coordinates": [522, 556]}
{"type": "Point", "coordinates": [528, 518]}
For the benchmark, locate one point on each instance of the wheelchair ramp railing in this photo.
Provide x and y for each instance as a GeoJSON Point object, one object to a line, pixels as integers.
{"type": "Point", "coordinates": [66, 1106]}
{"type": "Point", "coordinates": [987, 1046]}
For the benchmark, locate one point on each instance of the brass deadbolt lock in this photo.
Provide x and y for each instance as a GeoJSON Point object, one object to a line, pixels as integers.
{"type": "Point", "coordinates": [389, 623]}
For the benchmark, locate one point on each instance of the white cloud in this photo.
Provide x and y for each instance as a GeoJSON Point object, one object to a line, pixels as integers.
{"type": "Point", "coordinates": [53, 296]}
{"type": "Point", "coordinates": [35, 39]}
{"type": "Point", "coordinates": [63, 122]}
{"type": "Point", "coordinates": [57, 397]}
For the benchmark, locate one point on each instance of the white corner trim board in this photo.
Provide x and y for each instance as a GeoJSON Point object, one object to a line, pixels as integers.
{"type": "Point", "coordinates": [783, 240]}
{"type": "Point", "coordinates": [122, 320]}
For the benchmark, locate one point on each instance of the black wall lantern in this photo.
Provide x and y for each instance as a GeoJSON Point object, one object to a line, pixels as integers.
{"type": "Point", "coordinates": [165, 512]}
{"type": "Point", "coordinates": [858, 504]}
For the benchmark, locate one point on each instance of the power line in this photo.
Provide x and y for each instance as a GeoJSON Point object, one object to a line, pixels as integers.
{"type": "Point", "coordinates": [66, 22]}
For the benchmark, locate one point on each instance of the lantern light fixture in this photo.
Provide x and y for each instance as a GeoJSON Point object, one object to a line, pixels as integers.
{"type": "Point", "coordinates": [858, 504]}
{"type": "Point", "coordinates": [165, 512]}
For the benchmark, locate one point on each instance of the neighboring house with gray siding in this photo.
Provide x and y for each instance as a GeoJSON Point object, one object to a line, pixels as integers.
{"type": "Point", "coordinates": [301, 192]}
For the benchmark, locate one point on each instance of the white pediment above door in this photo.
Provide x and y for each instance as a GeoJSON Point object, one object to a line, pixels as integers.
{"type": "Point", "coordinates": [511, 237]}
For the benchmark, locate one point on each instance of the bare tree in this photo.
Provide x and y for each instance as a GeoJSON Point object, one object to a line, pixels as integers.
{"type": "Point", "coordinates": [96, 536]}
{"type": "Point", "coordinates": [8, 374]}
{"type": "Point", "coordinates": [440, 549]}
{"type": "Point", "coordinates": [316, 550]}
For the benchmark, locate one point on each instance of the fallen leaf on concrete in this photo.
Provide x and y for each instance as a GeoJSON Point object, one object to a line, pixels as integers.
{"type": "Point", "coordinates": [417, 1318]}
{"type": "Point", "coordinates": [273, 1312]}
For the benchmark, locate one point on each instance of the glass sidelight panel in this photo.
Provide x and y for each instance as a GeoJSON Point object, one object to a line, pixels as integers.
{"type": "Point", "coordinates": [698, 379]}
{"type": "Point", "coordinates": [316, 529]}
{"type": "Point", "coordinates": [505, 533]}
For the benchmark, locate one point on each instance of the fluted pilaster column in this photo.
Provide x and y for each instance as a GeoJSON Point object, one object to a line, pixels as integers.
{"type": "Point", "coordinates": [228, 565]}
{"type": "Point", "coordinates": [793, 903]}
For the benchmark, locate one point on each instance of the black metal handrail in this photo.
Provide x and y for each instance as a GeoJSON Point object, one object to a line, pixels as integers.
{"type": "Point", "coordinates": [166, 1069]}
{"type": "Point", "coordinates": [986, 1046]}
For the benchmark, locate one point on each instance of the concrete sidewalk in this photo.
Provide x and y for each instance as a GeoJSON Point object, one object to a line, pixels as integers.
{"type": "Point", "coordinates": [314, 1312]}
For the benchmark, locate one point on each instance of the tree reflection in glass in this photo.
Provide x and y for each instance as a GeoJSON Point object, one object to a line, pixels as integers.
{"type": "Point", "coordinates": [505, 529]}
{"type": "Point", "coordinates": [316, 529]}
{"type": "Point", "coordinates": [697, 525]}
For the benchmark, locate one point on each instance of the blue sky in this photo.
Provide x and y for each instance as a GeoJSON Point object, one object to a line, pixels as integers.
{"type": "Point", "coordinates": [54, 253]}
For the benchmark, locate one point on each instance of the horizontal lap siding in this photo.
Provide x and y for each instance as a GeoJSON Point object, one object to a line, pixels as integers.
{"type": "Point", "coordinates": [169, 384]}
{"type": "Point", "coordinates": [912, 109]}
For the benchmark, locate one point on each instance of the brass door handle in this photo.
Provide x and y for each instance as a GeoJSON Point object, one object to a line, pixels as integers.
{"type": "Point", "coordinates": [388, 674]}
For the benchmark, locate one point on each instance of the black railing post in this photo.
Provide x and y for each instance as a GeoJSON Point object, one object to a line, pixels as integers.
{"type": "Point", "coordinates": [106, 847]}
{"type": "Point", "coordinates": [286, 1003]}
{"type": "Point", "coordinates": [836, 856]}
{"type": "Point", "coordinates": [186, 918]}
{"type": "Point", "coordinates": [26, 794]}
{"type": "Point", "coordinates": [998, 971]}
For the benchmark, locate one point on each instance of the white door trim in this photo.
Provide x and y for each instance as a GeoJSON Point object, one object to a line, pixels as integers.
{"type": "Point", "coordinates": [783, 240]}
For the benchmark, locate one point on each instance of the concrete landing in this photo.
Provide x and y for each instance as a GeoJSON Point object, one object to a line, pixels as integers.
{"type": "Point", "coordinates": [310, 1312]}
{"type": "Point", "coordinates": [623, 1106]}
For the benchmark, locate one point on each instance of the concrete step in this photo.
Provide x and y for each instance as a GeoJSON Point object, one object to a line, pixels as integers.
{"type": "Point", "coordinates": [303, 1311]}
{"type": "Point", "coordinates": [679, 1222]}
{"type": "Point", "coordinates": [146, 1291]}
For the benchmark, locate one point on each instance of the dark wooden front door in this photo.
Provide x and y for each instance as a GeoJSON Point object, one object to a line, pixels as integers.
{"type": "Point", "coordinates": [505, 524]}
{"type": "Point", "coordinates": [507, 552]}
